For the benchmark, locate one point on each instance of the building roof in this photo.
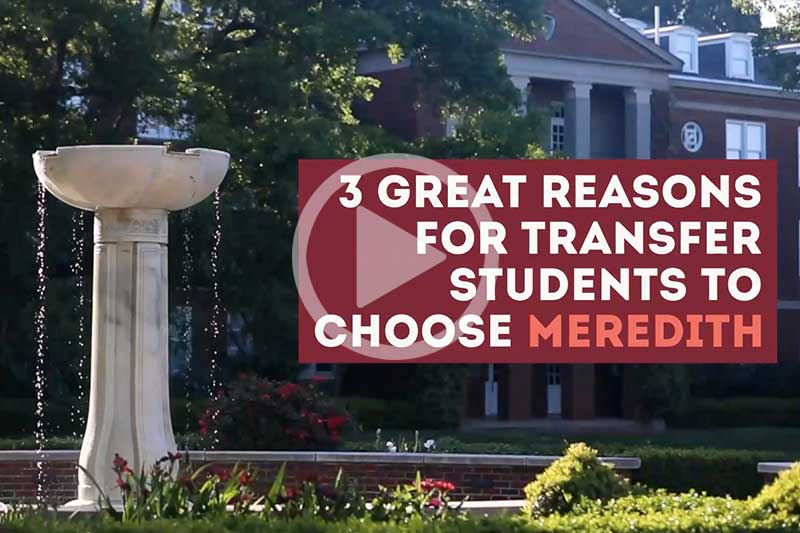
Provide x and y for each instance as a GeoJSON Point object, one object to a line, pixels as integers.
{"type": "Point", "coordinates": [630, 32]}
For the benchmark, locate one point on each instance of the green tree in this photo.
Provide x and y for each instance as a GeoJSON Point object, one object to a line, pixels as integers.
{"type": "Point", "coordinates": [270, 82]}
{"type": "Point", "coordinates": [712, 16]}
{"type": "Point", "coordinates": [71, 72]}
{"type": "Point", "coordinates": [780, 67]}
{"type": "Point", "coordinates": [276, 82]}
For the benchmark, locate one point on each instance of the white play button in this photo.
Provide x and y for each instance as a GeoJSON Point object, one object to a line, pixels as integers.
{"type": "Point", "coordinates": [386, 257]}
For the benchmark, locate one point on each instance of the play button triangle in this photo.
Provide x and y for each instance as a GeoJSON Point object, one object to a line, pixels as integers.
{"type": "Point", "coordinates": [386, 257]}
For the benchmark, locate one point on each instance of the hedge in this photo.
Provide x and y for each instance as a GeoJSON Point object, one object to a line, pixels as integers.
{"type": "Point", "coordinates": [700, 520]}
{"type": "Point", "coordinates": [717, 472]}
{"type": "Point", "coordinates": [738, 412]}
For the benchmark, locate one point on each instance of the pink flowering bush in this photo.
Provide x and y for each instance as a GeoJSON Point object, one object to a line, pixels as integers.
{"type": "Point", "coordinates": [261, 414]}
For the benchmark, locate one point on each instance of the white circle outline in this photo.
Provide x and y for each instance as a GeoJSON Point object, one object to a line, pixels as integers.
{"type": "Point", "coordinates": [305, 224]}
{"type": "Point", "coordinates": [700, 136]}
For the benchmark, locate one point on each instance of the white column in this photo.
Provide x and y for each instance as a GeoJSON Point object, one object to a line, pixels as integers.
{"type": "Point", "coordinates": [578, 120]}
{"type": "Point", "coordinates": [638, 136]}
{"type": "Point", "coordinates": [490, 393]}
{"type": "Point", "coordinates": [129, 399]}
{"type": "Point", "coordinates": [522, 83]}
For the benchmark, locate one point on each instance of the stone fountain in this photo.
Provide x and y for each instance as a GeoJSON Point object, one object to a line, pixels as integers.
{"type": "Point", "coordinates": [131, 189]}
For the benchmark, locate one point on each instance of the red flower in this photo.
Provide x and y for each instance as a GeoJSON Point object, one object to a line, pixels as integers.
{"type": "Point", "coordinates": [336, 422]}
{"type": "Point", "coordinates": [287, 390]}
{"type": "Point", "coordinates": [120, 464]}
{"type": "Point", "coordinates": [244, 478]}
{"type": "Point", "coordinates": [435, 502]}
{"type": "Point", "coordinates": [444, 486]}
{"type": "Point", "coordinates": [124, 485]}
{"type": "Point", "coordinates": [223, 474]}
{"type": "Point", "coordinates": [266, 396]}
{"type": "Point", "coordinates": [291, 493]}
{"type": "Point", "coordinates": [174, 456]}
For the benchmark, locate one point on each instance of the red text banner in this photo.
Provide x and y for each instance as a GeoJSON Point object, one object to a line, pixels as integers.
{"type": "Point", "coordinates": [536, 261]}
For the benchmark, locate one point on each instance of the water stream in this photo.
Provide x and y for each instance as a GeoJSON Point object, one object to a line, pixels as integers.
{"type": "Point", "coordinates": [216, 311]}
{"type": "Point", "coordinates": [40, 379]}
{"type": "Point", "coordinates": [187, 273]}
{"type": "Point", "coordinates": [77, 414]}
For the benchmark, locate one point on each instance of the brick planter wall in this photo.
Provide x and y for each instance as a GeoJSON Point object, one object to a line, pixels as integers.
{"type": "Point", "coordinates": [480, 477]}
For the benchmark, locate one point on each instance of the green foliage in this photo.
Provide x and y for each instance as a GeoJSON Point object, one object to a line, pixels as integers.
{"type": "Point", "coordinates": [717, 472]}
{"type": "Point", "coordinates": [162, 491]}
{"type": "Point", "coordinates": [711, 16]}
{"type": "Point", "coordinates": [311, 500]}
{"type": "Point", "coordinates": [578, 474]}
{"type": "Point", "coordinates": [713, 517]}
{"type": "Point", "coordinates": [437, 397]}
{"type": "Point", "coordinates": [424, 498]}
{"type": "Point", "coordinates": [165, 491]}
{"type": "Point", "coordinates": [664, 389]}
{"type": "Point", "coordinates": [376, 413]}
{"type": "Point", "coordinates": [737, 412]}
{"type": "Point", "coordinates": [782, 496]}
{"type": "Point", "coordinates": [261, 414]}
{"type": "Point", "coordinates": [676, 513]}
{"type": "Point", "coordinates": [270, 82]}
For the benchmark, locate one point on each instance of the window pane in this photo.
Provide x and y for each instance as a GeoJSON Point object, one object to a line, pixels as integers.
{"type": "Point", "coordinates": [734, 135]}
{"type": "Point", "coordinates": [683, 44]}
{"type": "Point", "coordinates": [755, 137]}
{"type": "Point", "coordinates": [734, 154]}
{"type": "Point", "coordinates": [751, 154]}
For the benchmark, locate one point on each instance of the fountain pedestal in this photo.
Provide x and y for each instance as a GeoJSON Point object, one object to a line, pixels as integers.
{"type": "Point", "coordinates": [129, 402]}
{"type": "Point", "coordinates": [131, 189]}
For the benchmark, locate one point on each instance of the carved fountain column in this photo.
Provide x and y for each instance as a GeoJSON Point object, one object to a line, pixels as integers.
{"type": "Point", "coordinates": [131, 189]}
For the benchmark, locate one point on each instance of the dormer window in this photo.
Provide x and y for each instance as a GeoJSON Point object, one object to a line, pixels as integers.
{"type": "Point", "coordinates": [680, 41]}
{"type": "Point", "coordinates": [738, 49]}
{"type": "Point", "coordinates": [740, 60]}
{"type": "Point", "coordinates": [684, 47]}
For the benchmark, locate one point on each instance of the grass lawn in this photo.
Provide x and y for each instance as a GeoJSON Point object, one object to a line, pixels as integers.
{"type": "Point", "coordinates": [781, 441]}
{"type": "Point", "coordinates": [529, 441]}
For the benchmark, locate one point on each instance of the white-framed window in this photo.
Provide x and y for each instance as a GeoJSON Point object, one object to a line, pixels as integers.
{"type": "Point", "coordinates": [739, 59]}
{"type": "Point", "coordinates": [557, 128]}
{"type": "Point", "coordinates": [745, 140]}
{"type": "Point", "coordinates": [553, 375]}
{"type": "Point", "coordinates": [692, 137]}
{"type": "Point", "coordinates": [684, 47]}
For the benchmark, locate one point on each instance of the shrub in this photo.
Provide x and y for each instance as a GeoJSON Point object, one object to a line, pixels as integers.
{"type": "Point", "coordinates": [782, 496]}
{"type": "Point", "coordinates": [663, 389]}
{"type": "Point", "coordinates": [578, 474]}
{"type": "Point", "coordinates": [717, 472]}
{"type": "Point", "coordinates": [375, 413]}
{"type": "Point", "coordinates": [260, 414]}
{"type": "Point", "coordinates": [737, 412]}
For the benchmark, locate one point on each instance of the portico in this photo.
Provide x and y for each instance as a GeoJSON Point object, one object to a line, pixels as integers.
{"type": "Point", "coordinates": [596, 80]}
{"type": "Point", "coordinates": [607, 116]}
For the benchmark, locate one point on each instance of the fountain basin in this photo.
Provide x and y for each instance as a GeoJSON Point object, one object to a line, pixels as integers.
{"type": "Point", "coordinates": [122, 176]}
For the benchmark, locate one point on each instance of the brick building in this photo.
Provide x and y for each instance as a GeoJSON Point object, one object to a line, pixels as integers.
{"type": "Point", "coordinates": [611, 91]}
